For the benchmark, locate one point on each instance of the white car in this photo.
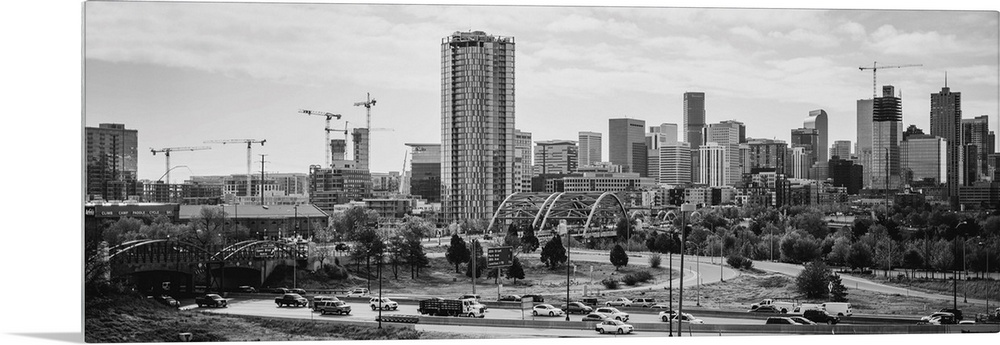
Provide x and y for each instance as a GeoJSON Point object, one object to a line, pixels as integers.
{"type": "Point", "coordinates": [613, 313]}
{"type": "Point", "coordinates": [385, 303]}
{"type": "Point", "coordinates": [619, 302]}
{"type": "Point", "coordinates": [546, 309]}
{"type": "Point", "coordinates": [688, 318]}
{"type": "Point", "coordinates": [666, 315]}
{"type": "Point", "coordinates": [613, 326]}
{"type": "Point", "coordinates": [359, 292]}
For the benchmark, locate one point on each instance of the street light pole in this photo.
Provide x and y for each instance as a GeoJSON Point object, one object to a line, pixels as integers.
{"type": "Point", "coordinates": [380, 286]}
{"type": "Point", "coordinates": [685, 209]}
{"type": "Point", "coordinates": [569, 245]}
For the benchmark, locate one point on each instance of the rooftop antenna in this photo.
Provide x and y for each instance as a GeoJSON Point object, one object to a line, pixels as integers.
{"type": "Point", "coordinates": [945, 78]}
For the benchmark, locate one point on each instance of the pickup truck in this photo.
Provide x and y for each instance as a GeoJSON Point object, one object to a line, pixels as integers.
{"type": "Point", "coordinates": [783, 307]}
{"type": "Point", "coordinates": [291, 300]}
{"type": "Point", "coordinates": [211, 300]}
{"type": "Point", "coordinates": [451, 307]}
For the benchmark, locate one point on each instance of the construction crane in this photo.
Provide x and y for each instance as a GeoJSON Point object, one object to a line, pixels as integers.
{"type": "Point", "coordinates": [368, 109]}
{"type": "Point", "coordinates": [402, 176]}
{"type": "Point", "coordinates": [329, 116]}
{"type": "Point", "coordinates": [249, 143]}
{"type": "Point", "coordinates": [875, 67]}
{"type": "Point", "coordinates": [166, 152]}
{"type": "Point", "coordinates": [381, 130]}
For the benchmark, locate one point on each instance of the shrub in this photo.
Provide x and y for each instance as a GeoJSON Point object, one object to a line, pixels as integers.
{"type": "Point", "coordinates": [739, 262]}
{"type": "Point", "coordinates": [814, 280]}
{"type": "Point", "coordinates": [655, 260]}
{"type": "Point", "coordinates": [637, 277]}
{"type": "Point", "coordinates": [610, 284]}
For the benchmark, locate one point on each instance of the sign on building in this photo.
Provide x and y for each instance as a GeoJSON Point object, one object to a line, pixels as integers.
{"type": "Point", "coordinates": [499, 257]}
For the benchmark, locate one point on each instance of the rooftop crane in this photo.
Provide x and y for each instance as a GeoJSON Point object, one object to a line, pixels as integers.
{"type": "Point", "coordinates": [329, 116]}
{"type": "Point", "coordinates": [249, 143]}
{"type": "Point", "coordinates": [875, 67]}
{"type": "Point", "coordinates": [368, 109]}
{"type": "Point", "coordinates": [402, 176]}
{"type": "Point", "coordinates": [166, 152]}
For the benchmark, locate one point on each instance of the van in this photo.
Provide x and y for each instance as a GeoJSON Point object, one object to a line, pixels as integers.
{"type": "Point", "coordinates": [840, 309]}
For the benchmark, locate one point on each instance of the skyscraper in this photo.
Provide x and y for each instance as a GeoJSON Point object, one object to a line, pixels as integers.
{"type": "Point", "coordinates": [624, 136]}
{"type": "Point", "coordinates": [767, 155]}
{"type": "Point", "coordinates": [425, 171]}
{"type": "Point", "coordinates": [675, 163]}
{"type": "Point", "coordinates": [817, 120]}
{"type": "Point", "coordinates": [727, 135]}
{"type": "Point", "coordinates": [808, 140]}
{"type": "Point", "coordinates": [887, 133]}
{"type": "Point", "coordinates": [946, 118]}
{"type": "Point", "coordinates": [477, 124]}
{"type": "Point", "coordinates": [522, 161]}
{"type": "Point", "coordinates": [713, 169]}
{"type": "Point", "coordinates": [841, 148]}
{"type": "Point", "coordinates": [668, 130]}
{"type": "Point", "coordinates": [555, 157]}
{"type": "Point", "coordinates": [922, 158]}
{"type": "Point", "coordinates": [361, 141]}
{"type": "Point", "coordinates": [590, 148]}
{"type": "Point", "coordinates": [863, 148]}
{"type": "Point", "coordinates": [112, 160]}
{"type": "Point", "coordinates": [976, 133]}
{"type": "Point", "coordinates": [694, 122]}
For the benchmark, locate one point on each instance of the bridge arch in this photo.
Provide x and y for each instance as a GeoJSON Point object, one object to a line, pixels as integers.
{"type": "Point", "coordinates": [576, 208]}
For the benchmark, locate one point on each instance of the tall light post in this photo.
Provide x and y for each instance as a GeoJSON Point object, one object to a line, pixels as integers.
{"type": "Point", "coordinates": [685, 209]}
{"type": "Point", "coordinates": [569, 246]}
{"type": "Point", "coordinates": [385, 244]}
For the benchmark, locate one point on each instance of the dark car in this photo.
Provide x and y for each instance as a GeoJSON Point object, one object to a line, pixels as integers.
{"type": "Point", "coordinates": [291, 300]}
{"type": "Point", "coordinates": [820, 316]}
{"type": "Point", "coordinates": [591, 301]}
{"type": "Point", "coordinates": [956, 312]}
{"type": "Point", "coordinates": [510, 298]}
{"type": "Point", "coordinates": [535, 298]}
{"type": "Point", "coordinates": [211, 300]}
{"type": "Point", "coordinates": [595, 317]}
{"type": "Point", "coordinates": [247, 288]}
{"type": "Point", "coordinates": [167, 301]}
{"type": "Point", "coordinates": [577, 308]}
{"type": "Point", "coordinates": [342, 247]}
{"type": "Point", "coordinates": [765, 309]}
{"type": "Point", "coordinates": [298, 291]}
{"type": "Point", "coordinates": [280, 290]}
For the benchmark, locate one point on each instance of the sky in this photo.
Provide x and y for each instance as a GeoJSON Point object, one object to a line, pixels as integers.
{"type": "Point", "coordinates": [184, 73]}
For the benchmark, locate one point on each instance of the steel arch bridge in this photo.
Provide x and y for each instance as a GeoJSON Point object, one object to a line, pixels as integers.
{"type": "Point", "coordinates": [584, 209]}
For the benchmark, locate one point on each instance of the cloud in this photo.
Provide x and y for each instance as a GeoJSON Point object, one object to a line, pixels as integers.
{"type": "Point", "coordinates": [854, 31]}
{"type": "Point", "coordinates": [888, 40]}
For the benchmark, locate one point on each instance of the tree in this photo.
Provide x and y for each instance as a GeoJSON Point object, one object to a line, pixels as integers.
{"type": "Point", "coordinates": [369, 245]}
{"type": "Point", "coordinates": [811, 222]}
{"type": "Point", "coordinates": [124, 229]}
{"type": "Point", "coordinates": [814, 280]}
{"type": "Point", "coordinates": [622, 229]}
{"type": "Point", "coordinates": [799, 246]}
{"type": "Point", "coordinates": [860, 256]}
{"type": "Point", "coordinates": [912, 259]}
{"type": "Point", "coordinates": [838, 292]}
{"type": "Point", "coordinates": [618, 257]}
{"type": "Point", "coordinates": [840, 251]}
{"type": "Point", "coordinates": [528, 240]}
{"type": "Point", "coordinates": [515, 271]}
{"type": "Point", "coordinates": [206, 227]}
{"type": "Point", "coordinates": [942, 256]}
{"type": "Point", "coordinates": [458, 253]}
{"type": "Point", "coordinates": [413, 251]}
{"type": "Point", "coordinates": [480, 267]}
{"type": "Point", "coordinates": [353, 219]}
{"type": "Point", "coordinates": [553, 253]}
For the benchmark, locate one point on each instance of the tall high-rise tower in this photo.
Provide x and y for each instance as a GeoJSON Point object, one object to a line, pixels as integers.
{"type": "Point", "coordinates": [887, 133]}
{"type": "Point", "coordinates": [590, 148]}
{"type": "Point", "coordinates": [477, 124]}
{"type": "Point", "coordinates": [817, 120]}
{"type": "Point", "coordinates": [112, 161]}
{"type": "Point", "coordinates": [863, 147]}
{"type": "Point", "coordinates": [361, 140]}
{"type": "Point", "coordinates": [625, 136]}
{"type": "Point", "coordinates": [727, 135]}
{"type": "Point", "coordinates": [522, 161]}
{"type": "Point", "coordinates": [977, 144]}
{"type": "Point", "coordinates": [946, 119]}
{"type": "Point", "coordinates": [694, 122]}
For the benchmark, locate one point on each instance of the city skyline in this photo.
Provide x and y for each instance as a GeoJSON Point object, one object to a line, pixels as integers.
{"type": "Point", "coordinates": [217, 76]}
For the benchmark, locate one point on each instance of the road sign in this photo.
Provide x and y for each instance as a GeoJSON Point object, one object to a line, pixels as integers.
{"type": "Point", "coordinates": [499, 257]}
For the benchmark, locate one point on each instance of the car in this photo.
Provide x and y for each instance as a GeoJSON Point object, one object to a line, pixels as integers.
{"type": "Point", "coordinates": [967, 322]}
{"type": "Point", "coordinates": [247, 289]}
{"type": "Point", "coordinates": [660, 306]}
{"type": "Point", "coordinates": [940, 318]}
{"type": "Point", "coordinates": [333, 307]}
{"type": "Point", "coordinates": [211, 300]}
{"type": "Point", "coordinates": [535, 298]}
{"type": "Point", "coordinates": [595, 317]}
{"type": "Point", "coordinates": [280, 290]}
{"type": "Point", "coordinates": [613, 326]}
{"type": "Point", "coordinates": [687, 318]}
{"type": "Point", "coordinates": [510, 298]}
{"type": "Point", "coordinates": [956, 312]}
{"type": "Point", "coordinates": [546, 309]}
{"type": "Point", "coordinates": [298, 291]}
{"type": "Point", "coordinates": [591, 301]}
{"type": "Point", "coordinates": [359, 292]}
{"type": "Point", "coordinates": [619, 302]}
{"type": "Point", "coordinates": [780, 321]}
{"type": "Point", "coordinates": [613, 313]}
{"type": "Point", "coordinates": [321, 298]}
{"type": "Point", "coordinates": [820, 316]}
{"type": "Point", "coordinates": [342, 247]}
{"type": "Point", "coordinates": [577, 308]}
{"type": "Point", "coordinates": [801, 320]}
{"type": "Point", "coordinates": [644, 302]}
{"type": "Point", "coordinates": [167, 301]}
{"type": "Point", "coordinates": [666, 315]}
{"type": "Point", "coordinates": [291, 300]}
{"type": "Point", "coordinates": [765, 309]}
{"type": "Point", "coordinates": [385, 303]}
